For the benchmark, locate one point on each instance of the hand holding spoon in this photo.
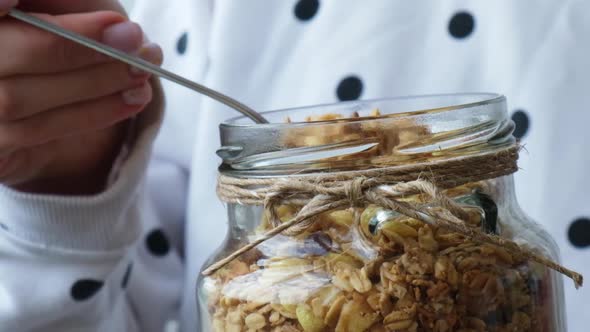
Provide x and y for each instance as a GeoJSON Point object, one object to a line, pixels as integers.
{"type": "Point", "coordinates": [139, 63]}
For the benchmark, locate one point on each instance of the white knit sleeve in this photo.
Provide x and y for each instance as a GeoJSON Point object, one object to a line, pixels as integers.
{"type": "Point", "coordinates": [65, 261]}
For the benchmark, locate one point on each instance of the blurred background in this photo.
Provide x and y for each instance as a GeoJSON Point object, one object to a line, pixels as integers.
{"type": "Point", "coordinates": [127, 3]}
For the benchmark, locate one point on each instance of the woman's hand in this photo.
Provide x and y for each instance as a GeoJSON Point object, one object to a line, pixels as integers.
{"type": "Point", "coordinates": [62, 106]}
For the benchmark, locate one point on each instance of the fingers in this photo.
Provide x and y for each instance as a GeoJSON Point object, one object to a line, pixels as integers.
{"type": "Point", "coordinates": [24, 96]}
{"type": "Point", "coordinates": [73, 120]}
{"type": "Point", "coordinates": [30, 50]}
{"type": "Point", "coordinates": [86, 84]}
{"type": "Point", "coordinates": [62, 105]}
{"type": "Point", "coordinates": [76, 155]}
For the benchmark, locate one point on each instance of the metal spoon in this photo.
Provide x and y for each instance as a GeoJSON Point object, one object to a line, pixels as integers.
{"type": "Point", "coordinates": [139, 63]}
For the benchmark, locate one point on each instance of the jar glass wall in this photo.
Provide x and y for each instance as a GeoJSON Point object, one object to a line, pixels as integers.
{"type": "Point", "coordinates": [368, 268]}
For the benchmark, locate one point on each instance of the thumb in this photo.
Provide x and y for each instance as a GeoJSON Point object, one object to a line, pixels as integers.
{"type": "Point", "coordinates": [36, 51]}
{"type": "Point", "coordinates": [108, 27]}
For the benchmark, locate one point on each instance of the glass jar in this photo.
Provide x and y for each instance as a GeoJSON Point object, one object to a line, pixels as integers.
{"type": "Point", "coordinates": [368, 268]}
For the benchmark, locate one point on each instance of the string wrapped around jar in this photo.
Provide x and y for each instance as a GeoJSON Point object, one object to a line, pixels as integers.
{"type": "Point", "coordinates": [326, 192]}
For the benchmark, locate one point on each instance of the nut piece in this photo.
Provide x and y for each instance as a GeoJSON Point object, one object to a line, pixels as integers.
{"type": "Point", "coordinates": [355, 317]}
{"type": "Point", "coordinates": [255, 321]}
{"type": "Point", "coordinates": [308, 320]}
{"type": "Point", "coordinates": [426, 239]}
{"type": "Point", "coordinates": [333, 313]}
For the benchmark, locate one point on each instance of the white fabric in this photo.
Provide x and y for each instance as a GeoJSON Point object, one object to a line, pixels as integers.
{"type": "Point", "coordinates": [534, 52]}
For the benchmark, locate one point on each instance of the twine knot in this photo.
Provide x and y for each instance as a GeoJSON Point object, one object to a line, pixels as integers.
{"type": "Point", "coordinates": [353, 190]}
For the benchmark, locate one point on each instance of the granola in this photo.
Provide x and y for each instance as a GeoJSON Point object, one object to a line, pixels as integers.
{"type": "Point", "coordinates": [379, 272]}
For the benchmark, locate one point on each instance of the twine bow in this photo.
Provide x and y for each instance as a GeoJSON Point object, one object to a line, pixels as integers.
{"type": "Point", "coordinates": [320, 194]}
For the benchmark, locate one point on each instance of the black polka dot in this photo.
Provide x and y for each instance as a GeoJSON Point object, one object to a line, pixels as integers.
{"type": "Point", "coordinates": [351, 88]}
{"type": "Point", "coordinates": [127, 275]}
{"type": "Point", "coordinates": [521, 122]}
{"type": "Point", "coordinates": [182, 43]}
{"type": "Point", "coordinates": [85, 289]}
{"type": "Point", "coordinates": [461, 25]}
{"type": "Point", "coordinates": [305, 10]}
{"type": "Point", "coordinates": [157, 243]}
{"type": "Point", "coordinates": [579, 233]}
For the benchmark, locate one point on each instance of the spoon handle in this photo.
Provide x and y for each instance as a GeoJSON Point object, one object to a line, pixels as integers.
{"type": "Point", "coordinates": [139, 63]}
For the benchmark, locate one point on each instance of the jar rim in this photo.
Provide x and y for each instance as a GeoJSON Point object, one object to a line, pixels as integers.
{"type": "Point", "coordinates": [406, 130]}
{"type": "Point", "coordinates": [480, 99]}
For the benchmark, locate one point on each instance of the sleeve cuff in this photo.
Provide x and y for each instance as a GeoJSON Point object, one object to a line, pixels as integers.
{"type": "Point", "coordinates": [107, 221]}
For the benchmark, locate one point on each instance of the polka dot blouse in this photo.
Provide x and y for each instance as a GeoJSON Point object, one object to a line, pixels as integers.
{"type": "Point", "coordinates": [127, 260]}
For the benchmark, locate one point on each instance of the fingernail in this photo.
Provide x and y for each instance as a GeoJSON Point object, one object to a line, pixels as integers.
{"type": "Point", "coordinates": [151, 53]}
{"type": "Point", "coordinates": [125, 36]}
{"type": "Point", "coordinates": [6, 5]}
{"type": "Point", "coordinates": [138, 96]}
